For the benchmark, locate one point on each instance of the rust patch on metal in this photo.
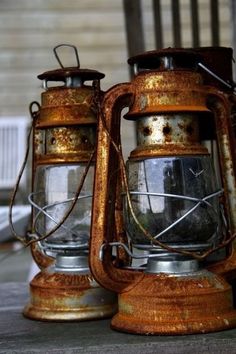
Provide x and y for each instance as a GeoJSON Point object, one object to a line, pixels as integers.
{"type": "Point", "coordinates": [167, 305]}
{"type": "Point", "coordinates": [167, 133]}
{"type": "Point", "coordinates": [147, 131]}
{"type": "Point", "coordinates": [68, 297]}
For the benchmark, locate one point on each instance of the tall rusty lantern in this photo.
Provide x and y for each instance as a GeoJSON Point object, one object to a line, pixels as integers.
{"type": "Point", "coordinates": [64, 137]}
{"type": "Point", "coordinates": [177, 210]}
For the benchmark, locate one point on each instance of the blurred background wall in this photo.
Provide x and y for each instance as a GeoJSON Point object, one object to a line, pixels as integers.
{"type": "Point", "coordinates": [29, 29]}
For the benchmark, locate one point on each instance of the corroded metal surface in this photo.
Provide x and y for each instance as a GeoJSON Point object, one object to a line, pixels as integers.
{"type": "Point", "coordinates": [62, 106]}
{"type": "Point", "coordinates": [226, 145]}
{"type": "Point", "coordinates": [167, 91]}
{"type": "Point", "coordinates": [168, 134]}
{"type": "Point", "coordinates": [42, 260]}
{"type": "Point", "coordinates": [168, 305]}
{"type": "Point", "coordinates": [65, 129]}
{"type": "Point", "coordinates": [225, 268]}
{"type": "Point", "coordinates": [65, 144]}
{"type": "Point", "coordinates": [68, 297]}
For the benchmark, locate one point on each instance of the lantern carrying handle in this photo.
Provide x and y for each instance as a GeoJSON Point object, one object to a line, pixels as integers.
{"type": "Point", "coordinates": [34, 115]}
{"type": "Point", "coordinates": [70, 46]}
{"type": "Point", "coordinates": [106, 224]}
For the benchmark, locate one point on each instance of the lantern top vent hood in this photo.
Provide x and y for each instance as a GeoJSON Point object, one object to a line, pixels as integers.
{"type": "Point", "coordinates": [166, 59]}
{"type": "Point", "coordinates": [72, 76]}
{"type": "Point", "coordinates": [61, 74]}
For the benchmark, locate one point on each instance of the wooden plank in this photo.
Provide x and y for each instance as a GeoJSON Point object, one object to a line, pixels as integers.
{"type": "Point", "coordinates": [109, 40]}
{"type": "Point", "coordinates": [46, 20]}
{"type": "Point", "coordinates": [21, 335]}
{"type": "Point", "coordinates": [59, 5]}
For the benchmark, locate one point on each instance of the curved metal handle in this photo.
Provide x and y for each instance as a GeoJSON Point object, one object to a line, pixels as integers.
{"type": "Point", "coordinates": [69, 46]}
{"type": "Point", "coordinates": [220, 106]}
{"type": "Point", "coordinates": [106, 225]}
{"type": "Point", "coordinates": [34, 114]}
{"type": "Point", "coordinates": [41, 259]}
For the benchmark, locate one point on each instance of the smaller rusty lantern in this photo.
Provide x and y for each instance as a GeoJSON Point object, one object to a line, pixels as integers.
{"type": "Point", "coordinates": [64, 136]}
{"type": "Point", "coordinates": [178, 211]}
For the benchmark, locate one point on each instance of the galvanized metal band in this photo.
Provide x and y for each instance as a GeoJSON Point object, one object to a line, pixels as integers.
{"type": "Point", "coordinates": [168, 128]}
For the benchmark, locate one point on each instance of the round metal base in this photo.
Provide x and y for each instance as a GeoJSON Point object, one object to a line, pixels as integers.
{"type": "Point", "coordinates": [68, 297]}
{"type": "Point", "coordinates": [169, 305]}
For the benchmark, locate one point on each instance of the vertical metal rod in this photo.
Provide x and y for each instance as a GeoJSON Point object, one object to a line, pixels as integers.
{"type": "Point", "coordinates": [157, 23]}
{"type": "Point", "coordinates": [215, 23]}
{"type": "Point", "coordinates": [195, 23]}
{"type": "Point", "coordinates": [176, 26]}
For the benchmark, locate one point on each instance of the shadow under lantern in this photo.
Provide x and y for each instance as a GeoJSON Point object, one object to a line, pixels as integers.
{"type": "Point", "coordinates": [179, 213]}
{"type": "Point", "coordinates": [64, 139]}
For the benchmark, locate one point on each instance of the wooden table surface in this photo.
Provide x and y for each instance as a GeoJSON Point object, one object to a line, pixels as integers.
{"type": "Point", "coordinates": [20, 335]}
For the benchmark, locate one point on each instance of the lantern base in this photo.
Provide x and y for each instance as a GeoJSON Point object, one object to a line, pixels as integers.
{"type": "Point", "coordinates": [68, 297]}
{"type": "Point", "coordinates": [163, 304]}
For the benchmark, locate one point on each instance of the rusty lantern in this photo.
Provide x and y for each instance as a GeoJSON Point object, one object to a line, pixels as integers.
{"type": "Point", "coordinates": [64, 136]}
{"type": "Point", "coordinates": [175, 200]}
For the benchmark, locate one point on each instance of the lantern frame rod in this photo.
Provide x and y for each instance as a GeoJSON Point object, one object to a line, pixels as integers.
{"type": "Point", "coordinates": [178, 196]}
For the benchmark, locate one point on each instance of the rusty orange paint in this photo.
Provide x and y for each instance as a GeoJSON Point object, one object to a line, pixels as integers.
{"type": "Point", "coordinates": [169, 305]}
{"type": "Point", "coordinates": [68, 297]}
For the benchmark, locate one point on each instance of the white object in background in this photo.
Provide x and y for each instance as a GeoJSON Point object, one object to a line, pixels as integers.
{"type": "Point", "coordinates": [13, 141]}
{"type": "Point", "coordinates": [20, 216]}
